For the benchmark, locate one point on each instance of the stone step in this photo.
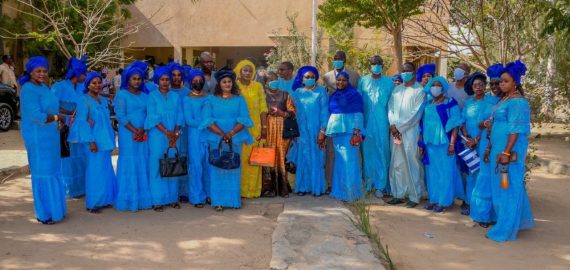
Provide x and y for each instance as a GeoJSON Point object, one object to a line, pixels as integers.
{"type": "Point", "coordinates": [316, 233]}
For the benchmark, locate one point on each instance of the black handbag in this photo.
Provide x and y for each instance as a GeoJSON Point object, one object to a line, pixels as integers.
{"type": "Point", "coordinates": [226, 160]}
{"type": "Point", "coordinates": [65, 151]}
{"type": "Point", "coordinates": [290, 128]}
{"type": "Point", "coordinates": [173, 166]}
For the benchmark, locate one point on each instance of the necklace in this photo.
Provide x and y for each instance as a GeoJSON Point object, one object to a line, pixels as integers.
{"type": "Point", "coordinates": [192, 93]}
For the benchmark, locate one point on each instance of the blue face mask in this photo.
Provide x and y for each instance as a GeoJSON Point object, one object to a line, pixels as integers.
{"type": "Point", "coordinates": [309, 82]}
{"type": "Point", "coordinates": [407, 76]}
{"type": "Point", "coordinates": [376, 69]}
{"type": "Point", "coordinates": [338, 64]}
{"type": "Point", "coordinates": [273, 84]}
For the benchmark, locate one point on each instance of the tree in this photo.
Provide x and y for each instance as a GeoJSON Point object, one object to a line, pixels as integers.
{"type": "Point", "coordinates": [389, 15]}
{"type": "Point", "coordinates": [295, 47]}
{"type": "Point", "coordinates": [558, 17]}
{"type": "Point", "coordinates": [479, 32]}
{"type": "Point", "coordinates": [75, 27]}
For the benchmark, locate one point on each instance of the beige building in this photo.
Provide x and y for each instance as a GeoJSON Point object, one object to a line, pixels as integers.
{"type": "Point", "coordinates": [232, 30]}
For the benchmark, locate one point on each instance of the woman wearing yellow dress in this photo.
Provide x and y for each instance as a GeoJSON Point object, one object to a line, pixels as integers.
{"type": "Point", "coordinates": [255, 99]}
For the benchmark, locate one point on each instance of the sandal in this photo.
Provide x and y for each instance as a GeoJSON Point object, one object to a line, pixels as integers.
{"type": "Point", "coordinates": [395, 201]}
{"type": "Point", "coordinates": [438, 209]}
{"type": "Point", "coordinates": [484, 224]}
{"type": "Point", "coordinates": [429, 206]}
{"type": "Point", "coordinates": [284, 196]}
{"type": "Point", "coordinates": [199, 205]}
{"type": "Point", "coordinates": [47, 222]}
{"type": "Point", "coordinates": [268, 193]}
{"type": "Point", "coordinates": [301, 193]}
{"type": "Point", "coordinates": [158, 208]}
{"type": "Point", "coordinates": [95, 210]}
{"type": "Point", "coordinates": [175, 205]}
{"type": "Point", "coordinates": [219, 209]}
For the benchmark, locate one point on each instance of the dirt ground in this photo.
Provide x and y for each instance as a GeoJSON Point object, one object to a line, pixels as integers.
{"type": "Point", "coordinates": [458, 243]}
{"type": "Point", "coordinates": [188, 238]}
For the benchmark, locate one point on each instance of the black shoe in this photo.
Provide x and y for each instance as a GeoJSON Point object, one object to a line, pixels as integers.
{"type": "Point", "coordinates": [395, 201]}
{"type": "Point", "coordinates": [484, 224]}
{"type": "Point", "coordinates": [301, 193]}
{"type": "Point", "coordinates": [411, 204]}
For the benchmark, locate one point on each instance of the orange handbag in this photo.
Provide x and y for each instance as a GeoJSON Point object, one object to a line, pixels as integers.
{"type": "Point", "coordinates": [262, 156]}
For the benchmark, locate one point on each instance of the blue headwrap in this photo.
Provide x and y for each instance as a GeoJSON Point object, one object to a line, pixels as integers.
{"type": "Point", "coordinates": [187, 69]}
{"type": "Point", "coordinates": [175, 66]}
{"type": "Point", "coordinates": [136, 68]}
{"type": "Point", "coordinates": [442, 80]}
{"type": "Point", "coordinates": [427, 68]}
{"type": "Point", "coordinates": [76, 67]}
{"type": "Point", "coordinates": [89, 78]}
{"type": "Point", "coordinates": [347, 100]}
{"type": "Point", "coordinates": [517, 69]}
{"type": "Point", "coordinates": [225, 72]}
{"type": "Point", "coordinates": [494, 72]}
{"type": "Point", "coordinates": [161, 71]}
{"type": "Point", "coordinates": [469, 82]}
{"type": "Point", "coordinates": [33, 63]}
{"type": "Point", "coordinates": [298, 81]}
{"type": "Point", "coordinates": [193, 73]}
{"type": "Point", "coordinates": [397, 77]}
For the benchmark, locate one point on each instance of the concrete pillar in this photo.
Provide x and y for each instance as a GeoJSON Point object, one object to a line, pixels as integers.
{"type": "Point", "coordinates": [177, 54]}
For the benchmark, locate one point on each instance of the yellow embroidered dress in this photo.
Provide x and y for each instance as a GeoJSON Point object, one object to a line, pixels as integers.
{"type": "Point", "coordinates": [255, 99]}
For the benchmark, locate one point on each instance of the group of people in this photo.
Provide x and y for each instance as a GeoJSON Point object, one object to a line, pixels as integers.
{"type": "Point", "coordinates": [403, 136]}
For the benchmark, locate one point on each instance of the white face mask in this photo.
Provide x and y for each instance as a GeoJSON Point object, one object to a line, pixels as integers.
{"type": "Point", "coordinates": [458, 74]}
{"type": "Point", "coordinates": [436, 91]}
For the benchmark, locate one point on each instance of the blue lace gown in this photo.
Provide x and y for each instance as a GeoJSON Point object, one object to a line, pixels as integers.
{"type": "Point", "coordinates": [511, 205]}
{"type": "Point", "coordinates": [478, 185]}
{"type": "Point", "coordinates": [312, 116]}
{"type": "Point", "coordinates": [183, 181]}
{"type": "Point", "coordinates": [42, 145]}
{"type": "Point", "coordinates": [347, 182]}
{"type": "Point", "coordinates": [225, 185]}
{"type": "Point", "coordinates": [165, 110]}
{"type": "Point", "coordinates": [198, 189]}
{"type": "Point", "coordinates": [133, 191]}
{"type": "Point", "coordinates": [442, 175]}
{"type": "Point", "coordinates": [93, 124]}
{"type": "Point", "coordinates": [72, 167]}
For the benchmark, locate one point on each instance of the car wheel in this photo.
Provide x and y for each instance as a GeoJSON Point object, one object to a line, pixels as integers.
{"type": "Point", "coordinates": [6, 117]}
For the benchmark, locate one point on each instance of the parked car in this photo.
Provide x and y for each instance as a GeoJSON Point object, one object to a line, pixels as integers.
{"type": "Point", "coordinates": [9, 106]}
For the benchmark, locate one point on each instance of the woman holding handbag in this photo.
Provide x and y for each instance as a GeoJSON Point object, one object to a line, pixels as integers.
{"type": "Point", "coordinates": [254, 96]}
{"type": "Point", "coordinates": [93, 127]}
{"type": "Point", "coordinates": [225, 120]}
{"type": "Point", "coordinates": [133, 192]}
{"type": "Point", "coordinates": [509, 144]}
{"type": "Point", "coordinates": [69, 91]}
{"type": "Point", "coordinates": [281, 109]}
{"type": "Point", "coordinates": [163, 122]}
{"type": "Point", "coordinates": [40, 120]}
{"type": "Point", "coordinates": [346, 127]}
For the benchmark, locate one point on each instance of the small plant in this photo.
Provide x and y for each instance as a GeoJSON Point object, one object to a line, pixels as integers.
{"type": "Point", "coordinates": [362, 222]}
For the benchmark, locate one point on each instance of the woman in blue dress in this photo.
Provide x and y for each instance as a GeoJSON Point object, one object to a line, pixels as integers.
{"type": "Point", "coordinates": [509, 145]}
{"type": "Point", "coordinates": [346, 127]}
{"type": "Point", "coordinates": [40, 119]}
{"type": "Point", "coordinates": [225, 117]}
{"type": "Point", "coordinates": [93, 127]}
{"type": "Point", "coordinates": [68, 91]}
{"type": "Point", "coordinates": [179, 86]}
{"type": "Point", "coordinates": [441, 120]}
{"type": "Point", "coordinates": [193, 105]}
{"type": "Point", "coordinates": [476, 110]}
{"type": "Point", "coordinates": [133, 192]}
{"type": "Point", "coordinates": [163, 122]}
{"type": "Point", "coordinates": [312, 104]}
